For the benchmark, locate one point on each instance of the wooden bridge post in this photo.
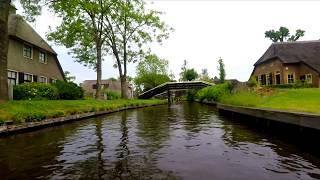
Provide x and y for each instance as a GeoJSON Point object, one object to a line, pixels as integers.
{"type": "Point", "coordinates": [169, 96]}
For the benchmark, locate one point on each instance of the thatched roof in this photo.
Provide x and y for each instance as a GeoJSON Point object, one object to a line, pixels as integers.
{"type": "Point", "coordinates": [307, 52]}
{"type": "Point", "coordinates": [19, 28]}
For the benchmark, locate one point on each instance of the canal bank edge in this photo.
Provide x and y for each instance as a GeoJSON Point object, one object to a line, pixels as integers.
{"type": "Point", "coordinates": [6, 130]}
{"type": "Point", "coordinates": [301, 119]}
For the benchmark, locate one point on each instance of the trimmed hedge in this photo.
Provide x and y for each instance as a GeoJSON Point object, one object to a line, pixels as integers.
{"type": "Point", "coordinates": [35, 91]}
{"type": "Point", "coordinates": [298, 84]}
{"type": "Point", "coordinates": [69, 90]}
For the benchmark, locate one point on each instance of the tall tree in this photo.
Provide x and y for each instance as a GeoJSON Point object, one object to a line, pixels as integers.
{"type": "Point", "coordinates": [129, 27]}
{"type": "Point", "coordinates": [183, 69]}
{"type": "Point", "coordinates": [190, 75]}
{"type": "Point", "coordinates": [221, 69]}
{"type": "Point", "coordinates": [4, 11]}
{"type": "Point", "coordinates": [283, 34]}
{"type": "Point", "coordinates": [205, 75]}
{"type": "Point", "coordinates": [83, 32]}
{"type": "Point", "coordinates": [151, 72]}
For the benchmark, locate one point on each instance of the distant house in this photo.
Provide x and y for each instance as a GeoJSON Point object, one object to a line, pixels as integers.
{"type": "Point", "coordinates": [30, 58]}
{"type": "Point", "coordinates": [289, 62]}
{"type": "Point", "coordinates": [90, 87]}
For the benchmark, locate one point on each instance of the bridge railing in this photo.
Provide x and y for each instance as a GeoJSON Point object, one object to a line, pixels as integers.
{"type": "Point", "coordinates": [174, 85]}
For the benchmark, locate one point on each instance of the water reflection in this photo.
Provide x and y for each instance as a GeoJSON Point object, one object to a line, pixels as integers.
{"type": "Point", "coordinates": [182, 141]}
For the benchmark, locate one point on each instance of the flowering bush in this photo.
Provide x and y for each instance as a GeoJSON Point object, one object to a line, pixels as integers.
{"type": "Point", "coordinates": [35, 91]}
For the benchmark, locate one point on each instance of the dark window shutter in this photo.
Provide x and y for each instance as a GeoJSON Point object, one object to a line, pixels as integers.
{"type": "Point", "coordinates": [35, 78]}
{"type": "Point", "coordinates": [50, 81]}
{"type": "Point", "coordinates": [21, 77]}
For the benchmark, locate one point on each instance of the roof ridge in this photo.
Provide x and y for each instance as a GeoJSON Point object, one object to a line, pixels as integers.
{"type": "Point", "coordinates": [297, 42]}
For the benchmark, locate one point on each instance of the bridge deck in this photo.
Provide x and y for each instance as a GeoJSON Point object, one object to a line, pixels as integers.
{"type": "Point", "coordinates": [174, 85]}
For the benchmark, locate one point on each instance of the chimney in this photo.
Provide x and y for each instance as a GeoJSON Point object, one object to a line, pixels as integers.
{"type": "Point", "coordinates": [13, 9]}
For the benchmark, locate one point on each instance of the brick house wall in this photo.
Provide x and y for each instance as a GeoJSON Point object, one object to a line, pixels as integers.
{"type": "Point", "coordinates": [275, 67]}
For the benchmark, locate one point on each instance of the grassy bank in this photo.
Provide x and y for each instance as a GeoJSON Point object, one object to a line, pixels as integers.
{"type": "Point", "coordinates": [299, 100]}
{"type": "Point", "coordinates": [28, 111]}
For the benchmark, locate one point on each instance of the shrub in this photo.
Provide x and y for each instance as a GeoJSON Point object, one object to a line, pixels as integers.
{"type": "Point", "coordinates": [69, 90]}
{"type": "Point", "coordinates": [214, 93]}
{"type": "Point", "coordinates": [112, 94]}
{"type": "Point", "coordinates": [35, 91]}
{"type": "Point", "coordinates": [252, 83]}
{"type": "Point", "coordinates": [191, 95]}
{"type": "Point", "coordinates": [298, 84]}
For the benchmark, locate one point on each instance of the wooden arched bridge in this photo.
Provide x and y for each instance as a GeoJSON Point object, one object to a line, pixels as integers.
{"type": "Point", "coordinates": [167, 87]}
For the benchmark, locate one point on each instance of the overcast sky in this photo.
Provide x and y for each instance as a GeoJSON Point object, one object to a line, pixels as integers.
{"type": "Point", "coordinates": [207, 30]}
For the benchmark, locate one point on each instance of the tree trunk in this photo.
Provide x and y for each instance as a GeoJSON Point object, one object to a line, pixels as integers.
{"type": "Point", "coordinates": [4, 42]}
{"type": "Point", "coordinates": [124, 87]}
{"type": "Point", "coordinates": [99, 73]}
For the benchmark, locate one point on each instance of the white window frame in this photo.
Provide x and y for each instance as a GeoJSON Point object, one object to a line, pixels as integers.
{"type": "Point", "coordinates": [54, 80]}
{"type": "Point", "coordinates": [46, 79]}
{"type": "Point", "coordinates": [259, 79]}
{"type": "Point", "coordinates": [27, 74]}
{"type": "Point", "coordinates": [293, 81]}
{"type": "Point", "coordinates": [25, 44]}
{"type": "Point", "coordinates": [306, 79]}
{"type": "Point", "coordinates": [45, 57]}
{"type": "Point", "coordinates": [17, 79]}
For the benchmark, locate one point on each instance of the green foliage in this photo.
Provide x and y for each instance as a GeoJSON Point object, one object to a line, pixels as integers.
{"type": "Point", "coordinates": [112, 95]}
{"type": "Point", "coordinates": [35, 91]}
{"type": "Point", "coordinates": [252, 83]}
{"type": "Point", "coordinates": [40, 110]}
{"type": "Point", "coordinates": [69, 90]}
{"type": "Point", "coordinates": [69, 77]}
{"type": "Point", "coordinates": [130, 28]}
{"type": "Point", "coordinates": [32, 8]}
{"type": "Point", "coordinates": [82, 31]}
{"type": "Point", "coordinates": [192, 94]}
{"type": "Point", "coordinates": [283, 34]}
{"type": "Point", "coordinates": [151, 72]}
{"type": "Point", "coordinates": [222, 71]}
{"type": "Point", "coordinates": [215, 93]}
{"type": "Point", "coordinates": [189, 75]}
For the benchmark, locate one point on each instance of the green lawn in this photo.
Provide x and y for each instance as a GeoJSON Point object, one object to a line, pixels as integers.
{"type": "Point", "coordinates": [26, 111]}
{"type": "Point", "coordinates": [300, 100]}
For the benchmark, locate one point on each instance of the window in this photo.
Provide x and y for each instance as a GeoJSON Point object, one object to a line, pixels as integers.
{"type": "Point", "coordinates": [94, 86]}
{"type": "Point", "coordinates": [263, 79]}
{"type": "Point", "coordinates": [27, 78]}
{"type": "Point", "coordinates": [43, 79]}
{"type": "Point", "coordinates": [27, 51]}
{"type": "Point", "coordinates": [12, 78]}
{"type": "Point", "coordinates": [259, 80]}
{"type": "Point", "coordinates": [290, 78]}
{"type": "Point", "coordinates": [308, 78]}
{"type": "Point", "coordinates": [269, 79]}
{"type": "Point", "coordinates": [43, 57]}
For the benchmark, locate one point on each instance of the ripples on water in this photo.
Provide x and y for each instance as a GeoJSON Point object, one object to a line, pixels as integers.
{"type": "Point", "coordinates": [183, 141]}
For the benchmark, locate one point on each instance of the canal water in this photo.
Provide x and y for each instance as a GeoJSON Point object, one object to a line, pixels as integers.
{"type": "Point", "coordinates": [182, 141]}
